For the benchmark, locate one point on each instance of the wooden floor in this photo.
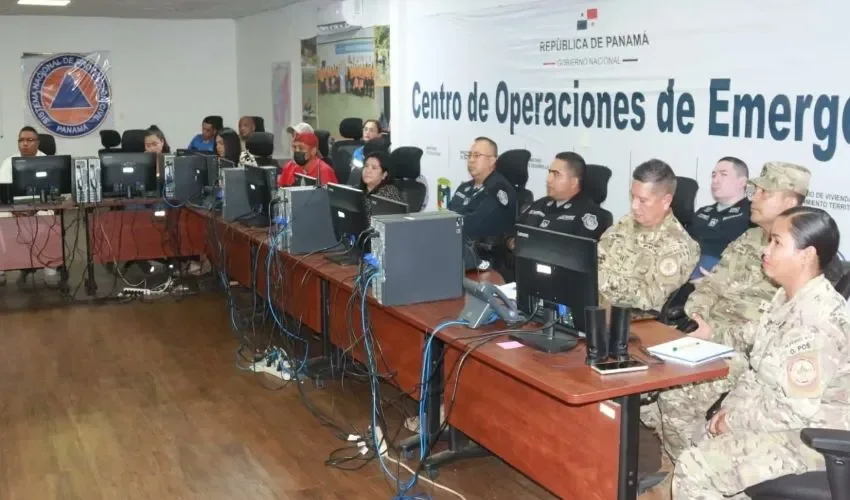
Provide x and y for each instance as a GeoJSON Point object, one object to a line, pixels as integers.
{"type": "Point", "coordinates": [144, 401]}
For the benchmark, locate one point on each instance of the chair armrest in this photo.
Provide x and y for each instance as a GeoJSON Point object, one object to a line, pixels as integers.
{"type": "Point", "coordinates": [831, 442]}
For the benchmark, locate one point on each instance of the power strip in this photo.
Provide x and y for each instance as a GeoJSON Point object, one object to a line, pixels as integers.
{"type": "Point", "coordinates": [262, 367]}
{"type": "Point", "coordinates": [381, 442]}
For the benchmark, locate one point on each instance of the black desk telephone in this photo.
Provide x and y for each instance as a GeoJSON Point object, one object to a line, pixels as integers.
{"type": "Point", "coordinates": [483, 302]}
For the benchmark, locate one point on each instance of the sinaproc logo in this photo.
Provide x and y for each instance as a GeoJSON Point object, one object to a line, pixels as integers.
{"type": "Point", "coordinates": [444, 193]}
{"type": "Point", "coordinates": [69, 95]}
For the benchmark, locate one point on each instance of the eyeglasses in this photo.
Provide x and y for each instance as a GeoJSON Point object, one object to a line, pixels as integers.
{"type": "Point", "coordinates": [475, 155]}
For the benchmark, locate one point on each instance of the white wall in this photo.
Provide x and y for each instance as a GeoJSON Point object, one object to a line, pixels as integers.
{"type": "Point", "coordinates": [171, 73]}
{"type": "Point", "coordinates": [272, 37]}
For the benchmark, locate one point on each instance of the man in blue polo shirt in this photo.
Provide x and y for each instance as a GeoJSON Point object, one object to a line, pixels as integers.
{"type": "Point", "coordinates": [205, 141]}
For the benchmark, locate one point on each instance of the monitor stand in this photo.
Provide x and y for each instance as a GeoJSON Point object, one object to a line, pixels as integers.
{"type": "Point", "coordinates": [255, 220]}
{"type": "Point", "coordinates": [350, 257]}
{"type": "Point", "coordinates": [553, 339]}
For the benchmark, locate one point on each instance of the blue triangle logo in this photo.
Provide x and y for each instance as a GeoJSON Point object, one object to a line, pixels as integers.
{"type": "Point", "coordinates": [70, 95]}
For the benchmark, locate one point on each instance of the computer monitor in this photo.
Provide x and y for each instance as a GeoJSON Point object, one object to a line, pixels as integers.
{"type": "Point", "coordinates": [305, 180]}
{"type": "Point", "coordinates": [191, 175]}
{"type": "Point", "coordinates": [41, 178]}
{"type": "Point", "coordinates": [556, 273]}
{"type": "Point", "coordinates": [348, 214]}
{"type": "Point", "coordinates": [128, 175]}
{"type": "Point", "coordinates": [386, 206]}
{"type": "Point", "coordinates": [259, 183]}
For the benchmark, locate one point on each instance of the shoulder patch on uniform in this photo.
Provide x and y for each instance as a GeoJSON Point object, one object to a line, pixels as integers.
{"type": "Point", "coordinates": [503, 197]}
{"type": "Point", "coordinates": [590, 221]}
{"type": "Point", "coordinates": [668, 266]}
{"type": "Point", "coordinates": [803, 374]}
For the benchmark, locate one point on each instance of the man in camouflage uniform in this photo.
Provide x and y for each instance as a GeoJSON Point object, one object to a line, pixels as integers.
{"type": "Point", "coordinates": [735, 295]}
{"type": "Point", "coordinates": [800, 373]}
{"type": "Point", "coordinates": [646, 255]}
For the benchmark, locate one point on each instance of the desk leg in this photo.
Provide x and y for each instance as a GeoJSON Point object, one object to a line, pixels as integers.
{"type": "Point", "coordinates": [63, 269]}
{"type": "Point", "coordinates": [91, 286]}
{"type": "Point", "coordinates": [627, 479]}
{"type": "Point", "coordinates": [460, 446]}
{"type": "Point", "coordinates": [321, 367]}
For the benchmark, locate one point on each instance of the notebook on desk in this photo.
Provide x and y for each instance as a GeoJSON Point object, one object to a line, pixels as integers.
{"type": "Point", "coordinates": [691, 351]}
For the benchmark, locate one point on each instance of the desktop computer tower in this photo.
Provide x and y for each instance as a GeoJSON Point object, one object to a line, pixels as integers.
{"type": "Point", "coordinates": [306, 212]}
{"type": "Point", "coordinates": [86, 185]}
{"type": "Point", "coordinates": [81, 180]}
{"type": "Point", "coordinates": [234, 194]}
{"type": "Point", "coordinates": [419, 257]}
{"type": "Point", "coordinates": [167, 175]}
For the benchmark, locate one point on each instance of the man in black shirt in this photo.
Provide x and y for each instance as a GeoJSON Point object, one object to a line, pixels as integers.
{"type": "Point", "coordinates": [487, 201]}
{"type": "Point", "coordinates": [565, 209]}
{"type": "Point", "coordinates": [715, 226]}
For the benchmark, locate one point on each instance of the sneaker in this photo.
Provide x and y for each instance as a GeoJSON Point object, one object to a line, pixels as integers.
{"type": "Point", "coordinates": [26, 273]}
{"type": "Point", "coordinates": [412, 423]}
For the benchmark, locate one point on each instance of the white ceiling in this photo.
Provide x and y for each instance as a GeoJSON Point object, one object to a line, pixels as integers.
{"type": "Point", "coordinates": [150, 9]}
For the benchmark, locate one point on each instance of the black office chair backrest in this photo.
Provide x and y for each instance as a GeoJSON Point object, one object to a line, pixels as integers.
{"type": "Point", "coordinates": [259, 124]}
{"type": "Point", "coordinates": [47, 144]}
{"type": "Point", "coordinates": [684, 199]}
{"type": "Point", "coordinates": [351, 129]}
{"type": "Point", "coordinates": [133, 141]}
{"type": "Point", "coordinates": [594, 185]}
{"type": "Point", "coordinates": [513, 165]}
{"type": "Point", "coordinates": [110, 140]}
{"type": "Point", "coordinates": [405, 167]}
{"type": "Point", "coordinates": [261, 146]}
{"type": "Point", "coordinates": [324, 145]}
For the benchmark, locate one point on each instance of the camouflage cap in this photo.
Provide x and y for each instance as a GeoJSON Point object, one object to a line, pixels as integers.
{"type": "Point", "coordinates": [782, 176]}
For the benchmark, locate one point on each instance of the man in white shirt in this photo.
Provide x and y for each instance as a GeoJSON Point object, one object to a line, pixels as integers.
{"type": "Point", "coordinates": [27, 146]}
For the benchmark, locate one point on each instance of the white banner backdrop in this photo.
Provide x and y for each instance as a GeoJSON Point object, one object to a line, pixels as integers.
{"type": "Point", "coordinates": [621, 82]}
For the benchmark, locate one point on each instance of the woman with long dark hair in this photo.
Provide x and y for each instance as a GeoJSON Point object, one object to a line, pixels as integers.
{"type": "Point", "coordinates": [376, 178]}
{"type": "Point", "coordinates": [799, 371]}
{"type": "Point", "coordinates": [228, 146]}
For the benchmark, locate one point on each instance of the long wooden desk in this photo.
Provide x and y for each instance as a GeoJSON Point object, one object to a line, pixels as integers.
{"type": "Point", "coordinates": [549, 416]}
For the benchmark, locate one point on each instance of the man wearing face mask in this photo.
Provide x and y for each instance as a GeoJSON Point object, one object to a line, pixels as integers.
{"type": "Point", "coordinates": [306, 161]}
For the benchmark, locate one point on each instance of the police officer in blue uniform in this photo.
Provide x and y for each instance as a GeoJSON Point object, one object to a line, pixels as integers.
{"type": "Point", "coordinates": [715, 226]}
{"type": "Point", "coordinates": [565, 208]}
{"type": "Point", "coordinates": [487, 201]}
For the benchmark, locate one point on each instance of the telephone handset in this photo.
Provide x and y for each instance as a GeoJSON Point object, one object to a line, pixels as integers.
{"type": "Point", "coordinates": [483, 301]}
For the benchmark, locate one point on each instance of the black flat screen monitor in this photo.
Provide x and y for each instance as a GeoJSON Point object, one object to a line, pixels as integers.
{"type": "Point", "coordinates": [41, 178]}
{"type": "Point", "coordinates": [191, 176]}
{"type": "Point", "coordinates": [555, 273]}
{"type": "Point", "coordinates": [259, 182]}
{"type": "Point", "coordinates": [380, 205]}
{"type": "Point", "coordinates": [128, 175]}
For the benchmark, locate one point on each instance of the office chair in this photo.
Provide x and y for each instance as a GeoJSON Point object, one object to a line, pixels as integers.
{"type": "Point", "coordinates": [351, 129]}
{"type": "Point", "coordinates": [405, 167]}
{"type": "Point", "coordinates": [324, 145]}
{"type": "Point", "coordinates": [684, 199]}
{"type": "Point", "coordinates": [133, 141]}
{"type": "Point", "coordinates": [376, 144]}
{"type": "Point", "coordinates": [595, 186]}
{"type": "Point", "coordinates": [110, 140]}
{"type": "Point", "coordinates": [259, 124]}
{"type": "Point", "coordinates": [513, 165]}
{"type": "Point", "coordinates": [261, 145]}
{"type": "Point", "coordinates": [47, 144]}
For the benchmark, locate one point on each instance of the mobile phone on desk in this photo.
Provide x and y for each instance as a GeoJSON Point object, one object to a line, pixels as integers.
{"type": "Point", "coordinates": [612, 367]}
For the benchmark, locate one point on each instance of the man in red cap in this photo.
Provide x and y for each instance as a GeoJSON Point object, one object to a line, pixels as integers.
{"type": "Point", "coordinates": [306, 161]}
